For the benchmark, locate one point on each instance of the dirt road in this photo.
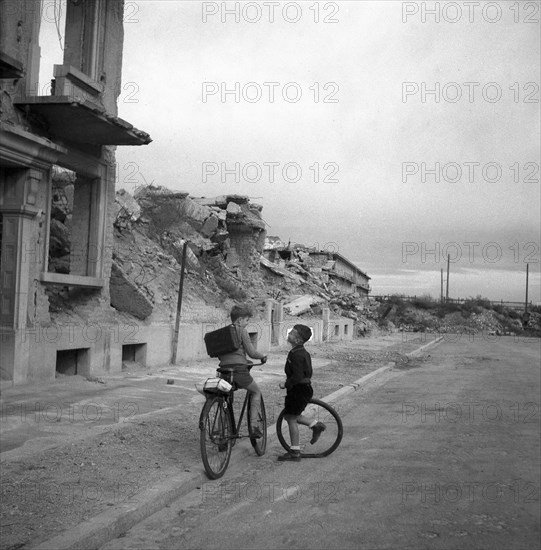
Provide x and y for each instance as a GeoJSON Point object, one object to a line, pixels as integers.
{"type": "Point", "coordinates": [76, 448]}
{"type": "Point", "coordinates": [444, 453]}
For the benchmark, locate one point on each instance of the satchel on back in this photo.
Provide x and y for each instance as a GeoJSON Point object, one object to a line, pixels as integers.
{"type": "Point", "coordinates": [222, 341]}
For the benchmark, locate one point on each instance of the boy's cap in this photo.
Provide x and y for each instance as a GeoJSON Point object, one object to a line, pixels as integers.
{"type": "Point", "coordinates": [304, 332]}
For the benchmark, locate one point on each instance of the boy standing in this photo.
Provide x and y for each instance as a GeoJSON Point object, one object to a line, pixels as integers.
{"type": "Point", "coordinates": [240, 317]}
{"type": "Point", "coordinates": [298, 370]}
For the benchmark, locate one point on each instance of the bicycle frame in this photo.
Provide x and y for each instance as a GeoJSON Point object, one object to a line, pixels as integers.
{"type": "Point", "coordinates": [230, 399]}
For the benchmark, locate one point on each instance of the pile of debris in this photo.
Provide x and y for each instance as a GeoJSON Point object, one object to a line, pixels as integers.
{"type": "Point", "coordinates": [226, 242]}
{"type": "Point", "coordinates": [61, 220]}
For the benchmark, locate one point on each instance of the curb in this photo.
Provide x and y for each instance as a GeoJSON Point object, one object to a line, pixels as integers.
{"type": "Point", "coordinates": [354, 386]}
{"type": "Point", "coordinates": [433, 342]}
{"type": "Point", "coordinates": [108, 525]}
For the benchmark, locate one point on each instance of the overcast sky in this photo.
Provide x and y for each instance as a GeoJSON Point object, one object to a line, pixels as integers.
{"type": "Point", "coordinates": [359, 133]}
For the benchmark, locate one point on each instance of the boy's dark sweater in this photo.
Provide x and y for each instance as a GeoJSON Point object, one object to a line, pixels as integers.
{"type": "Point", "coordinates": [298, 367]}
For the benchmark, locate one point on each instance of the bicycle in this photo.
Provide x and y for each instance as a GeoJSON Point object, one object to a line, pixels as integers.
{"type": "Point", "coordinates": [220, 430]}
{"type": "Point", "coordinates": [328, 441]}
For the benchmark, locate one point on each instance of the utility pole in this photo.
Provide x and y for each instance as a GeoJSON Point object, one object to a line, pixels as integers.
{"type": "Point", "coordinates": [179, 303]}
{"type": "Point", "coordinates": [526, 300]}
{"type": "Point", "coordinates": [526, 315]}
{"type": "Point", "coordinates": [447, 288]}
{"type": "Point", "coordinates": [441, 289]}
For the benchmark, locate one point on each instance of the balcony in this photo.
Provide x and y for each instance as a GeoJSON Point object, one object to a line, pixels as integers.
{"type": "Point", "coordinates": [75, 112]}
{"type": "Point", "coordinates": [10, 67]}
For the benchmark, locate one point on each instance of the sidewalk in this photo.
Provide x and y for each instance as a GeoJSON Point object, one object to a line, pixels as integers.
{"type": "Point", "coordinates": [93, 458]}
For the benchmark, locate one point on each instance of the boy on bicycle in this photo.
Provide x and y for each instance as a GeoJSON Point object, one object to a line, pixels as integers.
{"type": "Point", "coordinates": [240, 317]}
{"type": "Point", "coordinates": [298, 370]}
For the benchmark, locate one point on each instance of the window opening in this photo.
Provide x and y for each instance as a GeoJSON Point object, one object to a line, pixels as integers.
{"type": "Point", "coordinates": [61, 220]}
{"type": "Point", "coordinates": [72, 361]}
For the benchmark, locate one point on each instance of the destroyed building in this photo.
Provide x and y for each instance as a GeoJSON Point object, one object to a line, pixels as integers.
{"type": "Point", "coordinates": [328, 266]}
{"type": "Point", "coordinates": [225, 239]}
{"type": "Point", "coordinates": [347, 276]}
{"type": "Point", "coordinates": [89, 277]}
{"type": "Point", "coordinates": [76, 127]}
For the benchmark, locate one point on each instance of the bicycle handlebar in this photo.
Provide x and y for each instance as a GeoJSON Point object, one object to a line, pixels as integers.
{"type": "Point", "coordinates": [250, 365]}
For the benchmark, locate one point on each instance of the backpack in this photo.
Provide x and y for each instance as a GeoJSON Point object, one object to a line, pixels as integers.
{"type": "Point", "coordinates": [222, 341]}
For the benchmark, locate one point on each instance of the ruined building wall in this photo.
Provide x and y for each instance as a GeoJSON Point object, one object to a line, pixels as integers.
{"type": "Point", "coordinates": [33, 330]}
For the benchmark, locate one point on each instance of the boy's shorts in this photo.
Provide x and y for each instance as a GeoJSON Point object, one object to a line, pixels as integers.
{"type": "Point", "coordinates": [297, 398]}
{"type": "Point", "coordinates": [242, 377]}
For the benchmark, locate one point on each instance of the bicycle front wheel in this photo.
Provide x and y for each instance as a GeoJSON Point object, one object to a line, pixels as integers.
{"type": "Point", "coordinates": [215, 437]}
{"type": "Point", "coordinates": [259, 444]}
{"type": "Point", "coordinates": [329, 439]}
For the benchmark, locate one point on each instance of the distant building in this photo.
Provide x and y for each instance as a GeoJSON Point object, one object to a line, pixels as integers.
{"type": "Point", "coordinates": [326, 265]}
{"type": "Point", "coordinates": [345, 274]}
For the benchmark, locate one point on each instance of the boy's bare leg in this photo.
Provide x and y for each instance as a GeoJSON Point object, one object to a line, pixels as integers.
{"type": "Point", "coordinates": [253, 388]}
{"type": "Point", "coordinates": [303, 420]}
{"type": "Point", "coordinates": [292, 421]}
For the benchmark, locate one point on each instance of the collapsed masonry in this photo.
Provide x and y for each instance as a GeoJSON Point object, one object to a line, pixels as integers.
{"type": "Point", "coordinates": [225, 238]}
{"type": "Point", "coordinates": [227, 262]}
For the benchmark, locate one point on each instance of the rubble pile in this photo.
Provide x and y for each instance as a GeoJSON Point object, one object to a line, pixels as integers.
{"type": "Point", "coordinates": [228, 259]}
{"type": "Point", "coordinates": [224, 237]}
{"type": "Point", "coordinates": [483, 321]}
{"type": "Point", "coordinates": [61, 220]}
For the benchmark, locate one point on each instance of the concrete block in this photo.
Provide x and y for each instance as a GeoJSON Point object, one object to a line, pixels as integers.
{"type": "Point", "coordinates": [302, 304]}
{"type": "Point", "coordinates": [193, 212]}
{"type": "Point", "coordinates": [233, 208]}
{"type": "Point", "coordinates": [219, 201]}
{"type": "Point", "coordinates": [128, 205]}
{"type": "Point", "coordinates": [210, 226]}
{"type": "Point", "coordinates": [126, 297]}
{"type": "Point", "coordinates": [238, 199]}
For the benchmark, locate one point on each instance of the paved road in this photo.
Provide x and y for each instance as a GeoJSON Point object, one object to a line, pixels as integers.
{"type": "Point", "coordinates": [442, 455]}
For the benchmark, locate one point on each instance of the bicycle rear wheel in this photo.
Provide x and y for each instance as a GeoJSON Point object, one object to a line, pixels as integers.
{"type": "Point", "coordinates": [328, 441]}
{"type": "Point", "coordinates": [259, 444]}
{"type": "Point", "coordinates": [215, 437]}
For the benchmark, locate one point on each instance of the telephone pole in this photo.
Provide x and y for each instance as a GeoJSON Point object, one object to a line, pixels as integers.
{"type": "Point", "coordinates": [447, 288]}
{"type": "Point", "coordinates": [526, 300]}
{"type": "Point", "coordinates": [179, 303]}
{"type": "Point", "coordinates": [441, 288]}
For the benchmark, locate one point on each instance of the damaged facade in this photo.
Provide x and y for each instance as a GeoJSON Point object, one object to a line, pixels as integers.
{"type": "Point", "coordinates": [329, 269]}
{"type": "Point", "coordinates": [346, 275]}
{"type": "Point", "coordinates": [76, 128]}
{"type": "Point", "coordinates": [336, 287]}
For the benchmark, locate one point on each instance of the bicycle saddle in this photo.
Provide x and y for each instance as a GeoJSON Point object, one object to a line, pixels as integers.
{"type": "Point", "coordinates": [231, 368]}
{"type": "Point", "coordinates": [225, 370]}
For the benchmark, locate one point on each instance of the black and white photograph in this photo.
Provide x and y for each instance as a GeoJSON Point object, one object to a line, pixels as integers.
{"type": "Point", "coordinates": [270, 275]}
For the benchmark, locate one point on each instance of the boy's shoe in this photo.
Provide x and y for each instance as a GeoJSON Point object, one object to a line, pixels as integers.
{"type": "Point", "coordinates": [256, 433]}
{"type": "Point", "coordinates": [316, 432]}
{"type": "Point", "coordinates": [294, 456]}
